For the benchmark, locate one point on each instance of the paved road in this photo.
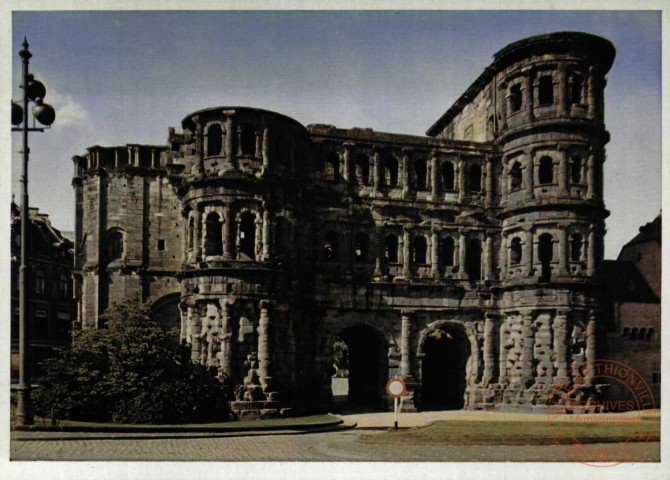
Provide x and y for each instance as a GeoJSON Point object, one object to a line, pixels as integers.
{"type": "Point", "coordinates": [333, 446]}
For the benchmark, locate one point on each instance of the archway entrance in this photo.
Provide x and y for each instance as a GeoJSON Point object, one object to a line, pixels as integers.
{"type": "Point", "coordinates": [446, 353]}
{"type": "Point", "coordinates": [364, 369]}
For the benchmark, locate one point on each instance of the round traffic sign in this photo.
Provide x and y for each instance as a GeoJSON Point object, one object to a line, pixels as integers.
{"type": "Point", "coordinates": [396, 388]}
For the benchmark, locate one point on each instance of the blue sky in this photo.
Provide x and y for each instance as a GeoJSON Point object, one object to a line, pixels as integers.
{"type": "Point", "coordinates": [125, 77]}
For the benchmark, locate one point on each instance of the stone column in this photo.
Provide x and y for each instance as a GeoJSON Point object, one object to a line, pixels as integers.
{"type": "Point", "coordinates": [196, 326]}
{"type": "Point", "coordinates": [379, 244]}
{"type": "Point", "coordinates": [560, 342]}
{"type": "Point", "coordinates": [227, 223]}
{"type": "Point", "coordinates": [528, 253]}
{"type": "Point", "coordinates": [266, 235]}
{"type": "Point", "coordinates": [502, 106]}
{"type": "Point", "coordinates": [406, 255]}
{"type": "Point", "coordinates": [197, 240]}
{"type": "Point", "coordinates": [258, 240]}
{"type": "Point", "coordinates": [461, 180]}
{"type": "Point", "coordinates": [502, 357]}
{"type": "Point", "coordinates": [228, 144]}
{"type": "Point", "coordinates": [488, 258]}
{"type": "Point", "coordinates": [563, 94]}
{"type": "Point", "coordinates": [264, 346]}
{"type": "Point", "coordinates": [528, 93]}
{"type": "Point", "coordinates": [347, 161]}
{"type": "Point", "coordinates": [530, 174]}
{"type": "Point", "coordinates": [490, 177]}
{"type": "Point", "coordinates": [405, 173]}
{"type": "Point", "coordinates": [563, 177]}
{"type": "Point", "coordinates": [591, 94]}
{"type": "Point", "coordinates": [527, 350]}
{"type": "Point", "coordinates": [266, 147]}
{"type": "Point", "coordinates": [503, 256]}
{"type": "Point", "coordinates": [504, 181]}
{"type": "Point", "coordinates": [591, 344]}
{"type": "Point", "coordinates": [258, 149]}
{"type": "Point", "coordinates": [434, 254]}
{"type": "Point", "coordinates": [590, 177]}
{"type": "Point", "coordinates": [226, 337]}
{"type": "Point", "coordinates": [461, 253]}
{"type": "Point", "coordinates": [376, 172]}
{"type": "Point", "coordinates": [563, 249]}
{"type": "Point", "coordinates": [434, 179]}
{"type": "Point", "coordinates": [199, 148]}
{"type": "Point", "coordinates": [591, 257]}
{"type": "Point", "coordinates": [406, 367]}
{"type": "Point", "coordinates": [489, 347]}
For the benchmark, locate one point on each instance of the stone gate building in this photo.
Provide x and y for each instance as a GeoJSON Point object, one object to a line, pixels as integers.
{"type": "Point", "coordinates": [467, 261]}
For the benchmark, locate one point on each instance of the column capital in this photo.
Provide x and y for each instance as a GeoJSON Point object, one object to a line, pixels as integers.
{"type": "Point", "coordinates": [563, 312]}
{"type": "Point", "coordinates": [408, 150]}
{"type": "Point", "coordinates": [266, 304]}
{"type": "Point", "coordinates": [348, 145]}
{"type": "Point", "coordinates": [408, 313]}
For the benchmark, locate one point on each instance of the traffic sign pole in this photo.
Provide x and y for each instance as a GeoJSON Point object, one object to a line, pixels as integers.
{"type": "Point", "coordinates": [395, 412]}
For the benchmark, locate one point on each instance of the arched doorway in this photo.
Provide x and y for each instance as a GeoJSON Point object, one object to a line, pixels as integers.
{"type": "Point", "coordinates": [166, 312]}
{"type": "Point", "coordinates": [446, 351]}
{"type": "Point", "coordinates": [362, 383]}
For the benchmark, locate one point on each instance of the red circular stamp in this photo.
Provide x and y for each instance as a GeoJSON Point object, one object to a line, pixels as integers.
{"type": "Point", "coordinates": [601, 413]}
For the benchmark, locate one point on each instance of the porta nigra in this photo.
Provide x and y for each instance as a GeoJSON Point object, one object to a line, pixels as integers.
{"type": "Point", "coordinates": [468, 262]}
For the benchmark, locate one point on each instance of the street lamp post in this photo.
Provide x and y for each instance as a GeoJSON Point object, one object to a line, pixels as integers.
{"type": "Point", "coordinates": [45, 114]}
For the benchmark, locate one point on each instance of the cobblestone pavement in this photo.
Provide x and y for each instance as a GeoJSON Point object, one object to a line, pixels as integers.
{"type": "Point", "coordinates": [333, 446]}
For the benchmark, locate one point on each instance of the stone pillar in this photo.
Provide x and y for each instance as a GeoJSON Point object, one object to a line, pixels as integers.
{"type": "Point", "coordinates": [226, 337]}
{"type": "Point", "coordinates": [490, 177]}
{"type": "Point", "coordinates": [530, 174]}
{"type": "Point", "coordinates": [258, 149]}
{"type": "Point", "coordinates": [379, 242]}
{"type": "Point", "coordinates": [258, 240]}
{"type": "Point", "coordinates": [591, 256]}
{"type": "Point", "coordinates": [560, 342]}
{"type": "Point", "coordinates": [407, 401]}
{"type": "Point", "coordinates": [563, 93]}
{"type": "Point", "coordinates": [347, 161]}
{"type": "Point", "coordinates": [563, 177]}
{"type": "Point", "coordinates": [591, 94]}
{"type": "Point", "coordinates": [116, 159]}
{"type": "Point", "coordinates": [264, 346]}
{"type": "Point", "coordinates": [591, 344]}
{"type": "Point", "coordinates": [527, 350]}
{"type": "Point", "coordinates": [528, 253]}
{"type": "Point", "coordinates": [266, 235]}
{"type": "Point", "coordinates": [461, 180]}
{"type": "Point", "coordinates": [502, 106]}
{"type": "Point", "coordinates": [227, 223]}
{"type": "Point", "coordinates": [502, 357]}
{"type": "Point", "coordinates": [563, 249]}
{"type": "Point", "coordinates": [503, 256]}
{"type": "Point", "coordinates": [197, 240]}
{"type": "Point", "coordinates": [461, 253]}
{"type": "Point", "coordinates": [266, 147]}
{"type": "Point", "coordinates": [488, 258]}
{"type": "Point", "coordinates": [504, 181]}
{"type": "Point", "coordinates": [377, 172]}
{"type": "Point", "coordinates": [434, 179]}
{"type": "Point", "coordinates": [405, 173]}
{"type": "Point", "coordinates": [489, 348]}
{"type": "Point", "coordinates": [406, 255]}
{"type": "Point", "coordinates": [434, 254]}
{"type": "Point", "coordinates": [528, 93]}
{"type": "Point", "coordinates": [590, 177]}
{"type": "Point", "coordinates": [228, 143]}
{"type": "Point", "coordinates": [199, 148]}
{"type": "Point", "coordinates": [196, 326]}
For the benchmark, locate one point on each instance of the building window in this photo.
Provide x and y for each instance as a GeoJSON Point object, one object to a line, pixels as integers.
{"type": "Point", "coordinates": [190, 232]}
{"type": "Point", "coordinates": [475, 178]}
{"type": "Point", "coordinates": [248, 139]}
{"type": "Point", "coordinates": [626, 332]}
{"type": "Point", "coordinates": [420, 173]}
{"type": "Point", "coordinates": [546, 90]}
{"type": "Point", "coordinates": [420, 248]}
{"type": "Point", "coordinates": [63, 286]}
{"type": "Point", "coordinates": [247, 236]}
{"type": "Point", "coordinates": [546, 173]}
{"type": "Point", "coordinates": [656, 378]}
{"type": "Point", "coordinates": [576, 89]}
{"type": "Point", "coordinates": [515, 176]}
{"type": "Point", "coordinates": [213, 236]}
{"type": "Point", "coordinates": [391, 171]}
{"type": "Point", "coordinates": [650, 335]}
{"type": "Point", "coordinates": [391, 249]}
{"type": "Point", "coordinates": [515, 254]}
{"type": "Point", "coordinates": [576, 247]}
{"type": "Point", "coordinates": [361, 248]}
{"type": "Point", "coordinates": [114, 246]}
{"type": "Point", "coordinates": [40, 282]}
{"type": "Point", "coordinates": [214, 134]}
{"type": "Point", "coordinates": [362, 170]}
{"type": "Point", "coordinates": [515, 99]}
{"type": "Point", "coordinates": [545, 252]}
{"type": "Point", "coordinates": [576, 170]}
{"type": "Point", "coordinates": [473, 260]}
{"type": "Point", "coordinates": [330, 246]}
{"type": "Point", "coordinates": [448, 176]}
{"type": "Point", "coordinates": [332, 162]}
{"type": "Point", "coordinates": [447, 252]}
{"type": "Point", "coordinates": [633, 334]}
{"type": "Point", "coordinates": [160, 245]}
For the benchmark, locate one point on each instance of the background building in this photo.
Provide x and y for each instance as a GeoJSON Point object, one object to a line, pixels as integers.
{"type": "Point", "coordinates": [469, 261]}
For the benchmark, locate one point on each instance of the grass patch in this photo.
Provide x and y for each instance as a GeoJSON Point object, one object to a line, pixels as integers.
{"type": "Point", "coordinates": [508, 433]}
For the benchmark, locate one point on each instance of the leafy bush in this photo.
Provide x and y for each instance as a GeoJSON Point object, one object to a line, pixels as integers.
{"type": "Point", "coordinates": [129, 371]}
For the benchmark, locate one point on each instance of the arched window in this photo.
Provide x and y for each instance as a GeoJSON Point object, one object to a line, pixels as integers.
{"type": "Point", "coordinates": [40, 282]}
{"type": "Point", "coordinates": [633, 334]}
{"type": "Point", "coordinates": [473, 260]}
{"type": "Point", "coordinates": [448, 176]}
{"type": "Point", "coordinates": [546, 90]}
{"type": "Point", "coordinates": [546, 172]}
{"type": "Point", "coordinates": [515, 254]}
{"type": "Point", "coordinates": [576, 247]}
{"type": "Point", "coordinates": [363, 170]}
{"type": "Point", "coordinates": [420, 248]}
{"type": "Point", "coordinates": [515, 99]}
{"type": "Point", "coordinates": [63, 286]}
{"type": "Point", "coordinates": [190, 232]}
{"type": "Point", "coordinates": [391, 171]}
{"type": "Point", "coordinates": [248, 139]}
{"type": "Point", "coordinates": [515, 177]}
{"type": "Point", "coordinates": [576, 170]}
{"type": "Point", "coordinates": [475, 178]}
{"type": "Point", "coordinates": [420, 173]}
{"type": "Point", "coordinates": [641, 335]}
{"type": "Point", "coordinates": [114, 246]}
{"type": "Point", "coordinates": [330, 246]}
{"type": "Point", "coordinates": [332, 164]}
{"type": "Point", "coordinates": [214, 134]}
{"type": "Point", "coordinates": [447, 252]}
{"type": "Point", "coordinates": [626, 332]}
{"type": "Point", "coordinates": [650, 335]}
{"type": "Point", "coordinates": [490, 128]}
{"type": "Point", "coordinates": [391, 248]}
{"type": "Point", "coordinates": [361, 247]}
{"type": "Point", "coordinates": [545, 253]}
{"type": "Point", "coordinates": [576, 89]}
{"type": "Point", "coordinates": [248, 236]}
{"type": "Point", "coordinates": [213, 236]}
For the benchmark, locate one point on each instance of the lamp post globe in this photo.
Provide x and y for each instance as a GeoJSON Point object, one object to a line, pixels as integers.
{"type": "Point", "coordinates": [43, 112]}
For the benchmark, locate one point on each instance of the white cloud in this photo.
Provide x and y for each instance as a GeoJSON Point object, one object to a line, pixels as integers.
{"type": "Point", "coordinates": [69, 113]}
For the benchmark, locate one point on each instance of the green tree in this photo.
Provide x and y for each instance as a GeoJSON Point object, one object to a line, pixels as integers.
{"type": "Point", "coordinates": [129, 371]}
